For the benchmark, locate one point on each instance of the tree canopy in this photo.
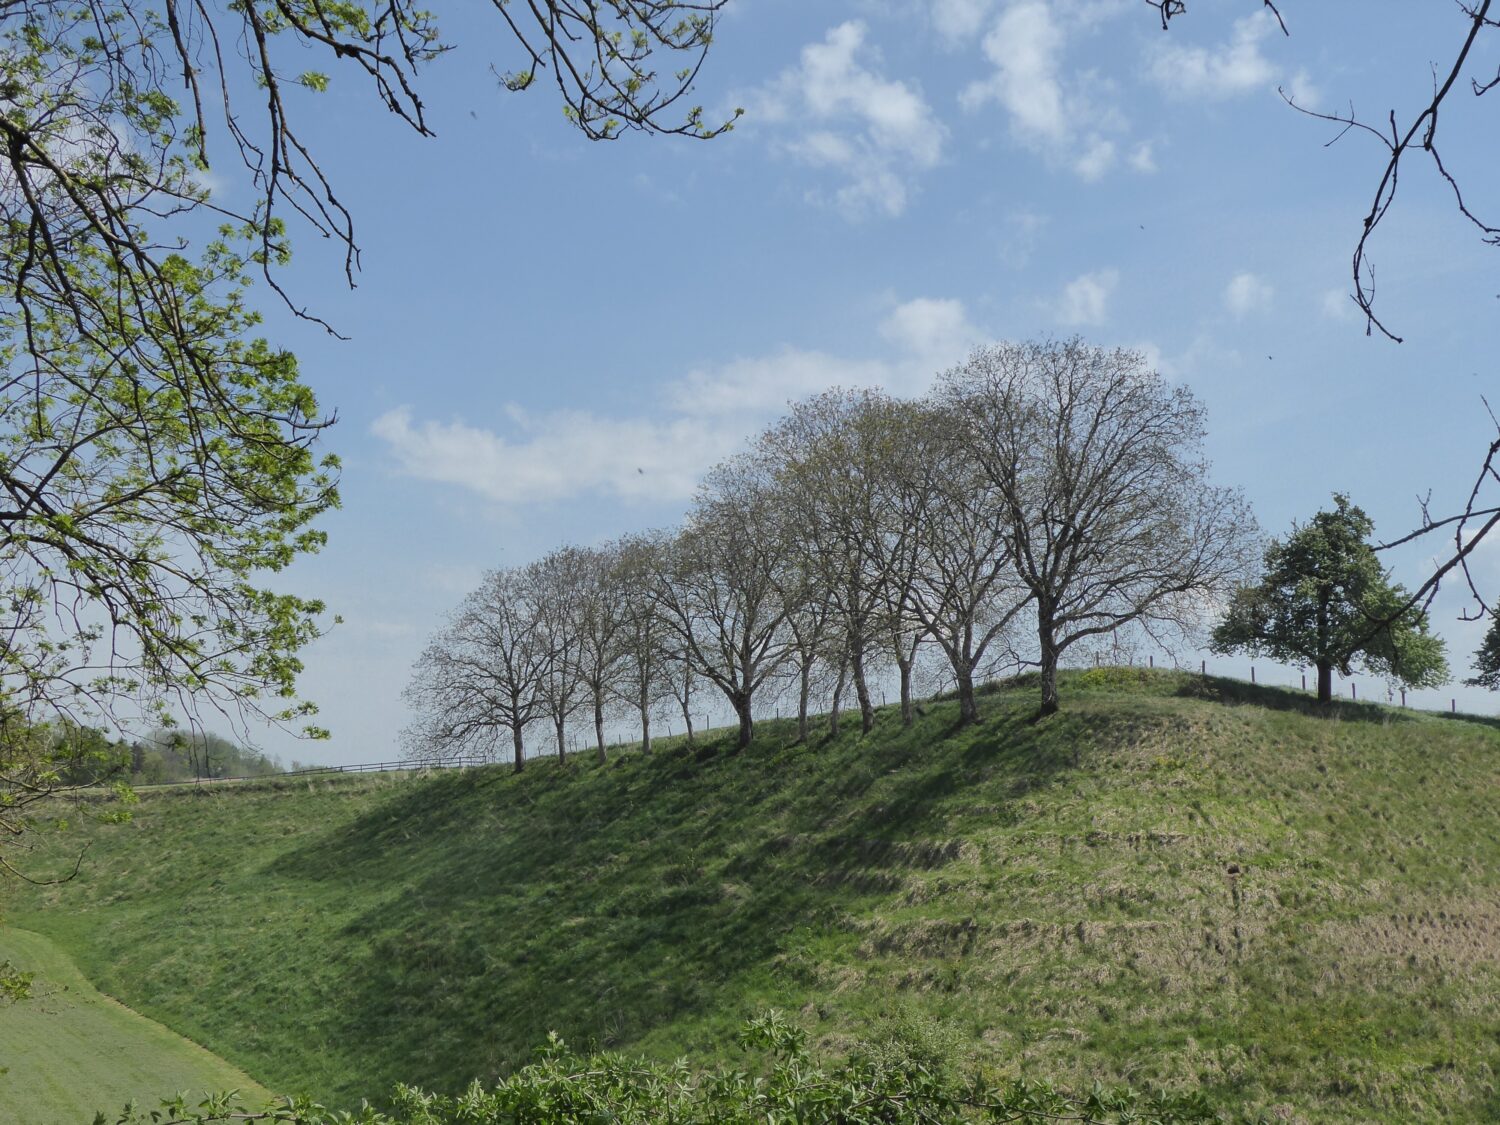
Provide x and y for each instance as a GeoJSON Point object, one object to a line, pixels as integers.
{"type": "Point", "coordinates": [157, 455]}
{"type": "Point", "coordinates": [1050, 490]}
{"type": "Point", "coordinates": [1325, 600]}
{"type": "Point", "coordinates": [1487, 659]}
{"type": "Point", "coordinates": [1097, 465]}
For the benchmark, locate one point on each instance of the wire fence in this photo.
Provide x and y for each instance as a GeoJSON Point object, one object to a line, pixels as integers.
{"type": "Point", "coordinates": [708, 724]}
{"type": "Point", "coordinates": [460, 763]}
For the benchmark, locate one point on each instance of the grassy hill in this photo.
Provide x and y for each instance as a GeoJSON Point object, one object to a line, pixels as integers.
{"type": "Point", "coordinates": [1175, 882]}
{"type": "Point", "coordinates": [69, 1051]}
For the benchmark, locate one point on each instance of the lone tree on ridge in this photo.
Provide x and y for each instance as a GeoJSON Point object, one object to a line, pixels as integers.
{"type": "Point", "coordinates": [1325, 600]}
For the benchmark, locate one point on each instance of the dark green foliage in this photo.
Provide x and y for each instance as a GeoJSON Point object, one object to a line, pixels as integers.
{"type": "Point", "coordinates": [1487, 659]}
{"type": "Point", "coordinates": [562, 1088]}
{"type": "Point", "coordinates": [79, 756]}
{"type": "Point", "coordinates": [1325, 600]}
{"type": "Point", "coordinates": [187, 755]}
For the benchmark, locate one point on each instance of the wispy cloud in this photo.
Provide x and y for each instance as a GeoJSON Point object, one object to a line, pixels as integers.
{"type": "Point", "coordinates": [1085, 300]}
{"type": "Point", "coordinates": [1236, 67]}
{"type": "Point", "coordinates": [1050, 111]}
{"type": "Point", "coordinates": [1336, 304]}
{"type": "Point", "coordinates": [840, 113]}
{"type": "Point", "coordinates": [698, 419]}
{"type": "Point", "coordinates": [958, 21]}
{"type": "Point", "coordinates": [1143, 158]}
{"type": "Point", "coordinates": [1021, 234]}
{"type": "Point", "coordinates": [930, 330]}
{"type": "Point", "coordinates": [1246, 293]}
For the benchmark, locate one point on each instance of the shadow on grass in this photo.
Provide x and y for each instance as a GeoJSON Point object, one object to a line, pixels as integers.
{"type": "Point", "coordinates": [1217, 689]}
{"type": "Point", "coordinates": [1490, 721]}
{"type": "Point", "coordinates": [1134, 680]}
{"type": "Point", "coordinates": [607, 902]}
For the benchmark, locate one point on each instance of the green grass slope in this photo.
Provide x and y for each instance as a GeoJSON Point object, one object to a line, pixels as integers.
{"type": "Point", "coordinates": [1056, 899]}
{"type": "Point", "coordinates": [69, 1052]}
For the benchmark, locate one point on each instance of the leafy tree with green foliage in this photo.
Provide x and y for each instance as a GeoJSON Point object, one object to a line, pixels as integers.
{"type": "Point", "coordinates": [1325, 600]}
{"type": "Point", "coordinates": [157, 456]}
{"type": "Point", "coordinates": [1487, 659]}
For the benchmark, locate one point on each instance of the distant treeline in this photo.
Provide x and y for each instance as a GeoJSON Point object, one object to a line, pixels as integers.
{"type": "Point", "coordinates": [84, 756]}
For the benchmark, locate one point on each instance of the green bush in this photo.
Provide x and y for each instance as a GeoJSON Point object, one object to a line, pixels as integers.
{"type": "Point", "coordinates": [901, 1080]}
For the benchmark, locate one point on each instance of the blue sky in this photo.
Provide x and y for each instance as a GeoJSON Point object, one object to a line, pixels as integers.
{"type": "Point", "coordinates": [550, 339]}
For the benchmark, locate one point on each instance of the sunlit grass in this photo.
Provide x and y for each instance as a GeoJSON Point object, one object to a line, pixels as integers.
{"type": "Point", "coordinates": [68, 1052]}
{"type": "Point", "coordinates": [1058, 896]}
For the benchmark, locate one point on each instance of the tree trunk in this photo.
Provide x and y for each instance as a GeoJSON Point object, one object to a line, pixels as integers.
{"type": "Point", "coordinates": [645, 706]}
{"type": "Point", "coordinates": [904, 663]}
{"type": "Point", "coordinates": [747, 724]}
{"type": "Point", "coordinates": [802, 698]}
{"type": "Point", "coordinates": [1324, 662]}
{"type": "Point", "coordinates": [520, 752]}
{"type": "Point", "coordinates": [968, 706]}
{"type": "Point", "coordinates": [836, 706]}
{"type": "Point", "coordinates": [862, 693]}
{"type": "Point", "coordinates": [1047, 636]}
{"type": "Point", "coordinates": [562, 746]}
{"type": "Point", "coordinates": [599, 727]}
{"type": "Point", "coordinates": [687, 718]}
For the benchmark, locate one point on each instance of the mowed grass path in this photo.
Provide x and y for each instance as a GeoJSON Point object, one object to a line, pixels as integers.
{"type": "Point", "coordinates": [70, 1051]}
{"type": "Point", "coordinates": [1174, 882]}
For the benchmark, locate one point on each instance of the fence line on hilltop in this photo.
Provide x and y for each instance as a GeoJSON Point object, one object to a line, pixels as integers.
{"type": "Point", "coordinates": [580, 744]}
{"type": "Point", "coordinates": [463, 762]}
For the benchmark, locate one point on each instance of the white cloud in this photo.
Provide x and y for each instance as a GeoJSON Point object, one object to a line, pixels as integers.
{"type": "Point", "coordinates": [1024, 46]}
{"type": "Point", "coordinates": [1337, 305]}
{"type": "Point", "coordinates": [555, 456]}
{"type": "Point", "coordinates": [699, 419]}
{"type": "Point", "coordinates": [1048, 113]}
{"type": "Point", "coordinates": [1085, 300]}
{"type": "Point", "coordinates": [877, 133]}
{"type": "Point", "coordinates": [1096, 159]}
{"type": "Point", "coordinates": [1143, 158]}
{"type": "Point", "coordinates": [1235, 67]}
{"type": "Point", "coordinates": [1155, 358]}
{"type": "Point", "coordinates": [1023, 230]}
{"type": "Point", "coordinates": [765, 384]}
{"type": "Point", "coordinates": [958, 20]}
{"type": "Point", "coordinates": [934, 330]}
{"type": "Point", "coordinates": [1301, 89]}
{"type": "Point", "coordinates": [1247, 293]}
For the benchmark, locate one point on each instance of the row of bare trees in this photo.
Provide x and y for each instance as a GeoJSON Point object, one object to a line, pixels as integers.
{"type": "Point", "coordinates": [1043, 495]}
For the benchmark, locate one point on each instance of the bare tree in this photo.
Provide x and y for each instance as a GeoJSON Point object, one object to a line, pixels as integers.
{"type": "Point", "coordinates": [597, 601]}
{"type": "Point", "coordinates": [838, 664]}
{"type": "Point", "coordinates": [810, 623]}
{"type": "Point", "coordinates": [1098, 465]}
{"type": "Point", "coordinates": [895, 536]}
{"type": "Point", "coordinates": [677, 680]}
{"type": "Point", "coordinates": [645, 638]}
{"type": "Point", "coordinates": [557, 585]}
{"type": "Point", "coordinates": [481, 677]}
{"type": "Point", "coordinates": [720, 594]}
{"type": "Point", "coordinates": [829, 453]}
{"type": "Point", "coordinates": [964, 589]}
